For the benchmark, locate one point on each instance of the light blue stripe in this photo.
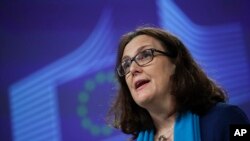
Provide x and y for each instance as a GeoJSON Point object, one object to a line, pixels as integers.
{"type": "Point", "coordinates": [40, 86]}
{"type": "Point", "coordinates": [221, 47]}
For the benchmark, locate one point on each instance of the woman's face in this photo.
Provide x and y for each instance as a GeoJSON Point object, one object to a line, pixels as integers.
{"type": "Point", "coordinates": [149, 84]}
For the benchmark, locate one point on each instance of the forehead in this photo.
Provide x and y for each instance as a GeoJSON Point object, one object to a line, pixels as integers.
{"type": "Point", "coordinates": [140, 42]}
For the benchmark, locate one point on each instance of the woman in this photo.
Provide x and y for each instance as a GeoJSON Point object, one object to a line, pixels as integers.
{"type": "Point", "coordinates": [164, 95]}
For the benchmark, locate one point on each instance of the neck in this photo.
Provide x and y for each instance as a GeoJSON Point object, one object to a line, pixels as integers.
{"type": "Point", "coordinates": [164, 127]}
{"type": "Point", "coordinates": [164, 123]}
{"type": "Point", "coordinates": [163, 114]}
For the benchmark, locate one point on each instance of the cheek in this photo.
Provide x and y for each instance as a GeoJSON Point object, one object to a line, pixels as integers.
{"type": "Point", "coordinates": [163, 76]}
{"type": "Point", "coordinates": [161, 81]}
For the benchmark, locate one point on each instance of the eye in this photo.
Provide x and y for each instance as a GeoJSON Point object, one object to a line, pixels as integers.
{"type": "Point", "coordinates": [144, 55]}
{"type": "Point", "coordinates": [126, 64]}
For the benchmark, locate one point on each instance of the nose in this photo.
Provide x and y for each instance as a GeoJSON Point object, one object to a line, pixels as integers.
{"type": "Point", "coordinates": [135, 68]}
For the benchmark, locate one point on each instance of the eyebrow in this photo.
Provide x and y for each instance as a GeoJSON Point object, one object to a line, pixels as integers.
{"type": "Point", "coordinates": [137, 51]}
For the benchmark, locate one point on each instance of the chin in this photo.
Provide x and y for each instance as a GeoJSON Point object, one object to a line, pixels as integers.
{"type": "Point", "coordinates": [144, 101]}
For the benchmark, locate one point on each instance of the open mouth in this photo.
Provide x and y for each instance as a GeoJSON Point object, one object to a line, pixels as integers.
{"type": "Point", "coordinates": [140, 83]}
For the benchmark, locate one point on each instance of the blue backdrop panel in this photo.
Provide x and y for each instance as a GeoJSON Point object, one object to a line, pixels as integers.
{"type": "Point", "coordinates": [57, 60]}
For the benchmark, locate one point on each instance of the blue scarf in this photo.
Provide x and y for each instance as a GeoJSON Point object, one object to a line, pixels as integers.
{"type": "Point", "coordinates": [186, 128]}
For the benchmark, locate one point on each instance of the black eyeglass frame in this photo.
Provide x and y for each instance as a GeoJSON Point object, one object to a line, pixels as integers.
{"type": "Point", "coordinates": [133, 59]}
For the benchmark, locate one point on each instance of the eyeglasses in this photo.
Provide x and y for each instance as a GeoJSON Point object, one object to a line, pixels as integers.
{"type": "Point", "coordinates": [141, 59]}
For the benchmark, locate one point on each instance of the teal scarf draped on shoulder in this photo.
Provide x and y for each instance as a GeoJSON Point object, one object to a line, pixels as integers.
{"type": "Point", "coordinates": [186, 128]}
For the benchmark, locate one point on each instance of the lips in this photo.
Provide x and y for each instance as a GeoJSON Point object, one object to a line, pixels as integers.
{"type": "Point", "coordinates": [140, 83]}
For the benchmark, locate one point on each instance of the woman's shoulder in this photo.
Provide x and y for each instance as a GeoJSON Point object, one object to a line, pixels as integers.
{"type": "Point", "coordinates": [215, 123]}
{"type": "Point", "coordinates": [223, 113]}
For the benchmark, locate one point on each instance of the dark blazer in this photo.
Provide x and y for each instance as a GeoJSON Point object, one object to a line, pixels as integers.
{"type": "Point", "coordinates": [214, 125]}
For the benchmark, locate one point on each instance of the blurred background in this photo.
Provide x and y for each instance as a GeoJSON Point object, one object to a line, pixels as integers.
{"type": "Point", "coordinates": [57, 59]}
